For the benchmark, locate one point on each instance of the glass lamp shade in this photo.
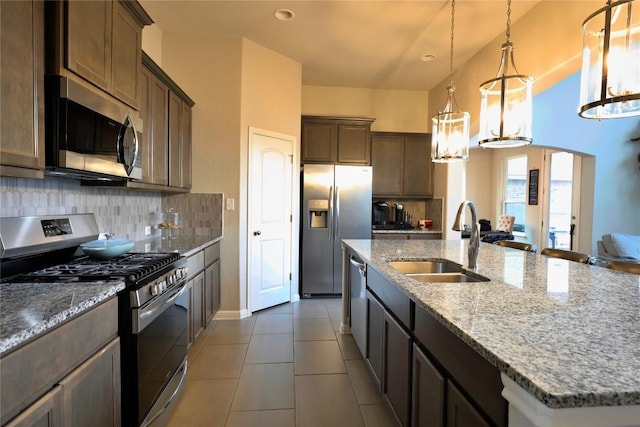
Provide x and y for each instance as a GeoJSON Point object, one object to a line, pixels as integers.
{"type": "Point", "coordinates": [506, 107]}
{"type": "Point", "coordinates": [450, 134]}
{"type": "Point", "coordinates": [610, 76]}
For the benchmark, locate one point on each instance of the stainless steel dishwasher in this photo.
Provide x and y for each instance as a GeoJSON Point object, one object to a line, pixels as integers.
{"type": "Point", "coordinates": [358, 300]}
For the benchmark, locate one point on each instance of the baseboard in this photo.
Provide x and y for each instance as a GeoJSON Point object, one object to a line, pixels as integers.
{"type": "Point", "coordinates": [231, 314]}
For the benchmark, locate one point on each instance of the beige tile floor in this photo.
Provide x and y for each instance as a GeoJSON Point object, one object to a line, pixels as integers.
{"type": "Point", "coordinates": [287, 366]}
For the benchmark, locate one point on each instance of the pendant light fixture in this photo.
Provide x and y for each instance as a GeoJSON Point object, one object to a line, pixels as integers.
{"type": "Point", "coordinates": [506, 109]}
{"type": "Point", "coordinates": [450, 128]}
{"type": "Point", "coordinates": [610, 77]}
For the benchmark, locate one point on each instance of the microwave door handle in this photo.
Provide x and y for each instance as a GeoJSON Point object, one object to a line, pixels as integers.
{"type": "Point", "coordinates": [128, 163]}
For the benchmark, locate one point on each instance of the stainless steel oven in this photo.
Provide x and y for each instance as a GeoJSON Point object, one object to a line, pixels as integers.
{"type": "Point", "coordinates": [154, 355]}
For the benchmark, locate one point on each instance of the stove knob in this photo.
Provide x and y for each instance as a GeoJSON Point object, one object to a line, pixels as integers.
{"type": "Point", "coordinates": [154, 289]}
{"type": "Point", "coordinates": [170, 279]}
{"type": "Point", "coordinates": [163, 286]}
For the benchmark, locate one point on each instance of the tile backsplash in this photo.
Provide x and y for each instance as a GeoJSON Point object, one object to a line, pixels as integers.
{"type": "Point", "coordinates": [122, 212]}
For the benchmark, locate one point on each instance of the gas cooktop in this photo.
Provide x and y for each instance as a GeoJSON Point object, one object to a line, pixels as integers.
{"type": "Point", "coordinates": [132, 267]}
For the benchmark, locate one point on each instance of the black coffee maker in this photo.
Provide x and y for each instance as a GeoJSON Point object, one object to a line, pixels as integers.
{"type": "Point", "coordinates": [381, 213]}
{"type": "Point", "coordinates": [399, 216]}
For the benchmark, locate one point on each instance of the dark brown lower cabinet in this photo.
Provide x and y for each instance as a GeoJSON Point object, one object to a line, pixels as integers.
{"type": "Point", "coordinates": [197, 312]}
{"type": "Point", "coordinates": [45, 412]}
{"type": "Point", "coordinates": [375, 327]}
{"type": "Point", "coordinates": [397, 368]}
{"type": "Point", "coordinates": [460, 412]}
{"type": "Point", "coordinates": [428, 392]}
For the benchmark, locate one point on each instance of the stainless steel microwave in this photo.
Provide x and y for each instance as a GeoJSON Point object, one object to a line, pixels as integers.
{"type": "Point", "coordinates": [88, 135]}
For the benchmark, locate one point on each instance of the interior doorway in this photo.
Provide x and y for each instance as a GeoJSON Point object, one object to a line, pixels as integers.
{"type": "Point", "coordinates": [561, 206]}
{"type": "Point", "coordinates": [270, 218]}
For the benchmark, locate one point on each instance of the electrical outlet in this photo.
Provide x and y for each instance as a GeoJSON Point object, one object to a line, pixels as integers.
{"type": "Point", "coordinates": [231, 204]}
{"type": "Point", "coordinates": [147, 230]}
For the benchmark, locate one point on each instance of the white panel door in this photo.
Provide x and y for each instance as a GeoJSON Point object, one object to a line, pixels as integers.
{"type": "Point", "coordinates": [270, 226]}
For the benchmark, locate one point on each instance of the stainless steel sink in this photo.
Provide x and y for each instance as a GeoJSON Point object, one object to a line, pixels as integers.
{"type": "Point", "coordinates": [426, 266]}
{"type": "Point", "coordinates": [436, 271]}
{"type": "Point", "coordinates": [448, 277]}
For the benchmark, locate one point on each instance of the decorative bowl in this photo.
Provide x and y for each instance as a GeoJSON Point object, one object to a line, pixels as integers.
{"type": "Point", "coordinates": [107, 248]}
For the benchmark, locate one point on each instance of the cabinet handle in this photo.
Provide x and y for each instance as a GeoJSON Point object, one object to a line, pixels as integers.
{"type": "Point", "coordinates": [257, 233]}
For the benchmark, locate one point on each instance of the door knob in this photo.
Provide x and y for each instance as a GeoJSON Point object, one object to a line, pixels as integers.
{"type": "Point", "coordinates": [257, 233]}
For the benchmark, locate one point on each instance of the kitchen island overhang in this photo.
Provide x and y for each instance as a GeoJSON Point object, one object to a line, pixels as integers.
{"type": "Point", "coordinates": [563, 334]}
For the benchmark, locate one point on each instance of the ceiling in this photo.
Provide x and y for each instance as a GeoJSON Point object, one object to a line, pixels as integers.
{"type": "Point", "coordinates": [357, 43]}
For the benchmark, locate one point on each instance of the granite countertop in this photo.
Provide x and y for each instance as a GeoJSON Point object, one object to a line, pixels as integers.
{"type": "Point", "coordinates": [185, 245]}
{"type": "Point", "coordinates": [568, 333]}
{"type": "Point", "coordinates": [28, 310]}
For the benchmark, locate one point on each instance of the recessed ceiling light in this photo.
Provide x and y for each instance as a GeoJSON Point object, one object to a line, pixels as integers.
{"type": "Point", "coordinates": [428, 57]}
{"type": "Point", "coordinates": [284, 14]}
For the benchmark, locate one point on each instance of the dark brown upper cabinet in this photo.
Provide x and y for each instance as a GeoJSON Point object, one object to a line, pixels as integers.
{"type": "Point", "coordinates": [401, 164]}
{"type": "Point", "coordinates": [101, 42]}
{"type": "Point", "coordinates": [22, 88]}
{"type": "Point", "coordinates": [341, 140]}
{"type": "Point", "coordinates": [166, 140]}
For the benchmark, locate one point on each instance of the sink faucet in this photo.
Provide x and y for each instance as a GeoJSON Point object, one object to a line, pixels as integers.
{"type": "Point", "coordinates": [474, 241]}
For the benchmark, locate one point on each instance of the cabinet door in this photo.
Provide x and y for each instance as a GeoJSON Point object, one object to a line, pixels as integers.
{"type": "Point", "coordinates": [428, 391]}
{"type": "Point", "coordinates": [197, 304]}
{"type": "Point", "coordinates": [126, 55]}
{"type": "Point", "coordinates": [88, 45]}
{"type": "Point", "coordinates": [319, 142]}
{"type": "Point", "coordinates": [460, 413]}
{"type": "Point", "coordinates": [212, 290]}
{"type": "Point", "coordinates": [387, 157]}
{"type": "Point", "coordinates": [91, 393]}
{"type": "Point", "coordinates": [179, 142]}
{"type": "Point", "coordinates": [45, 412]}
{"type": "Point", "coordinates": [175, 155]}
{"type": "Point", "coordinates": [354, 144]}
{"type": "Point", "coordinates": [185, 145]}
{"type": "Point", "coordinates": [22, 88]}
{"type": "Point", "coordinates": [397, 368]}
{"type": "Point", "coordinates": [418, 168]}
{"type": "Point", "coordinates": [154, 107]}
{"type": "Point", "coordinates": [375, 328]}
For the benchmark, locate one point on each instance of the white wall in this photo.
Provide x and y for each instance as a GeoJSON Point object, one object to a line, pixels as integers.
{"type": "Point", "coordinates": [235, 84]}
{"type": "Point", "coordinates": [394, 110]}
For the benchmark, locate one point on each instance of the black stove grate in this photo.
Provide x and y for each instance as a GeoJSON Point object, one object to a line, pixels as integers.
{"type": "Point", "coordinates": [132, 267]}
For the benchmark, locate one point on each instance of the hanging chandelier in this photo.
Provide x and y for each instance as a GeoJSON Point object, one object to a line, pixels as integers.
{"type": "Point", "coordinates": [610, 76]}
{"type": "Point", "coordinates": [506, 108]}
{"type": "Point", "coordinates": [450, 127]}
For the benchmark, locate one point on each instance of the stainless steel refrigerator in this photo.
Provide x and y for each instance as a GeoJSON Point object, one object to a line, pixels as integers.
{"type": "Point", "coordinates": [336, 205]}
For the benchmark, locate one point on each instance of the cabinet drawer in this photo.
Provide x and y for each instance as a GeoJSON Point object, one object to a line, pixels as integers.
{"type": "Point", "coordinates": [195, 264]}
{"type": "Point", "coordinates": [472, 372]}
{"type": "Point", "coordinates": [211, 253]}
{"type": "Point", "coordinates": [392, 297]}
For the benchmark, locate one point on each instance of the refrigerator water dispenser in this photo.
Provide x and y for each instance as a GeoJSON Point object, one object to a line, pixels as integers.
{"type": "Point", "coordinates": [318, 210]}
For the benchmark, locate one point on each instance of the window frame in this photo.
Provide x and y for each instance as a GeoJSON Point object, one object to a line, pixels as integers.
{"type": "Point", "coordinates": [518, 228]}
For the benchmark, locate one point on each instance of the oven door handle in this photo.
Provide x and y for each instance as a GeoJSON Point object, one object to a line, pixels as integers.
{"type": "Point", "coordinates": [144, 316]}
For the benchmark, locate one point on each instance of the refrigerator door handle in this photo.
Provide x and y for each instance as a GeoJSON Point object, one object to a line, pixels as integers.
{"type": "Point", "coordinates": [337, 216]}
{"type": "Point", "coordinates": [331, 213]}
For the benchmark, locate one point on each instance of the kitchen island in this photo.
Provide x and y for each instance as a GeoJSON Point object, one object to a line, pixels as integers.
{"type": "Point", "coordinates": [565, 336]}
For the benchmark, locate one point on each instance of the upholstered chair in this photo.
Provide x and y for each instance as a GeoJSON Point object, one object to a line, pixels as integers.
{"type": "Point", "coordinates": [505, 223]}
